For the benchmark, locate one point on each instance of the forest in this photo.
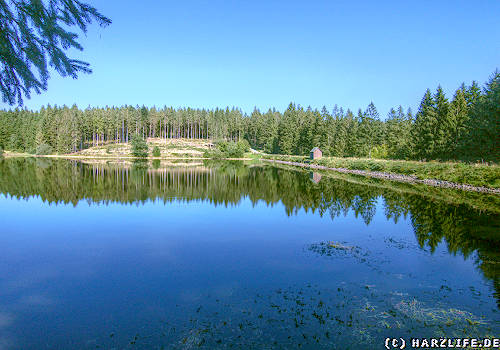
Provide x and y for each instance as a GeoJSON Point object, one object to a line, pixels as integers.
{"type": "Point", "coordinates": [465, 127]}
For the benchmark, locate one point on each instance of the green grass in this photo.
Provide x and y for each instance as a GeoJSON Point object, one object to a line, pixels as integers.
{"type": "Point", "coordinates": [251, 155]}
{"type": "Point", "coordinates": [476, 200]}
{"type": "Point", "coordinates": [462, 173]}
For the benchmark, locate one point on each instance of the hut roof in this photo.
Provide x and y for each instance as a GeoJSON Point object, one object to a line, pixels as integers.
{"type": "Point", "coordinates": [315, 148]}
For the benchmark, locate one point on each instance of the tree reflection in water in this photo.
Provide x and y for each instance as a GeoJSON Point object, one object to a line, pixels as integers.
{"type": "Point", "coordinates": [467, 222]}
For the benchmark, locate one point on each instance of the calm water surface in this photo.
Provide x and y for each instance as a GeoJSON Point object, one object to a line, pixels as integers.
{"type": "Point", "coordinates": [227, 255]}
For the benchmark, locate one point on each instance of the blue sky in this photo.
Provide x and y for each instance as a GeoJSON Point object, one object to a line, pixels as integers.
{"type": "Point", "coordinates": [268, 53]}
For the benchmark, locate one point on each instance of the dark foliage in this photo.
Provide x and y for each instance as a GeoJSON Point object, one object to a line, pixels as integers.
{"type": "Point", "coordinates": [467, 128]}
{"type": "Point", "coordinates": [139, 146]}
{"type": "Point", "coordinates": [34, 35]}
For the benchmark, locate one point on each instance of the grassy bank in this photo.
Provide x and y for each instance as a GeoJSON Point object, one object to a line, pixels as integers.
{"type": "Point", "coordinates": [171, 148]}
{"type": "Point", "coordinates": [482, 175]}
{"type": "Point", "coordinates": [156, 149]}
{"type": "Point", "coordinates": [479, 201]}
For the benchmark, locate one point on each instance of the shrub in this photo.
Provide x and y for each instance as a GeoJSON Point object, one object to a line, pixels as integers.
{"type": "Point", "coordinates": [221, 145]}
{"type": "Point", "coordinates": [214, 153]}
{"type": "Point", "coordinates": [139, 147]}
{"type": "Point", "coordinates": [234, 150]}
{"type": "Point", "coordinates": [43, 149]}
{"type": "Point", "coordinates": [156, 151]}
{"type": "Point", "coordinates": [238, 149]}
{"type": "Point", "coordinates": [244, 145]}
{"type": "Point", "coordinates": [228, 149]}
{"type": "Point", "coordinates": [380, 152]}
{"type": "Point", "coordinates": [1, 151]}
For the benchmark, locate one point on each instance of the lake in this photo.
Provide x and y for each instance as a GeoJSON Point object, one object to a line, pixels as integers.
{"type": "Point", "coordinates": [105, 255]}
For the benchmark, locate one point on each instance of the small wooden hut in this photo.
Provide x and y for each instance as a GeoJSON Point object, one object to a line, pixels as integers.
{"type": "Point", "coordinates": [316, 153]}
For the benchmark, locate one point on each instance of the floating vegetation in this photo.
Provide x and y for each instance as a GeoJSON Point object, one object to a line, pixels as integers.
{"type": "Point", "coordinates": [335, 249]}
{"type": "Point", "coordinates": [401, 244]}
{"type": "Point", "coordinates": [399, 299]}
{"type": "Point", "coordinates": [311, 317]}
{"type": "Point", "coordinates": [438, 316]}
{"type": "Point", "coordinates": [341, 250]}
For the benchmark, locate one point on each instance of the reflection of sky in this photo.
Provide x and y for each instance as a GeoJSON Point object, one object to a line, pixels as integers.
{"type": "Point", "coordinates": [68, 272]}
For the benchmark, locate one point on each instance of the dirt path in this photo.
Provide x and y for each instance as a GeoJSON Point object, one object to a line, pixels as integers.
{"type": "Point", "coordinates": [393, 177]}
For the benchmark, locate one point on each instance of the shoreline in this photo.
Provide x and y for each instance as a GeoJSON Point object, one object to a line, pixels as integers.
{"type": "Point", "coordinates": [393, 177]}
{"type": "Point", "coordinates": [69, 156]}
{"type": "Point", "coordinates": [366, 173]}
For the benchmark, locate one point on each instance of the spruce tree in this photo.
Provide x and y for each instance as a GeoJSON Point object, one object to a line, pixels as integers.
{"type": "Point", "coordinates": [287, 131]}
{"type": "Point", "coordinates": [458, 113]}
{"type": "Point", "coordinates": [424, 141]}
{"type": "Point", "coordinates": [352, 144]}
{"type": "Point", "coordinates": [467, 127]}
{"type": "Point", "coordinates": [369, 130]}
{"type": "Point", "coordinates": [483, 129]}
{"type": "Point", "coordinates": [35, 34]}
{"type": "Point", "coordinates": [139, 146]}
{"type": "Point", "coordinates": [393, 133]}
{"type": "Point", "coordinates": [444, 126]}
{"type": "Point", "coordinates": [472, 94]}
{"type": "Point", "coordinates": [407, 150]}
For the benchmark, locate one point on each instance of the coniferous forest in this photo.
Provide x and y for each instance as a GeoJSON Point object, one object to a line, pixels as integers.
{"type": "Point", "coordinates": [463, 127]}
